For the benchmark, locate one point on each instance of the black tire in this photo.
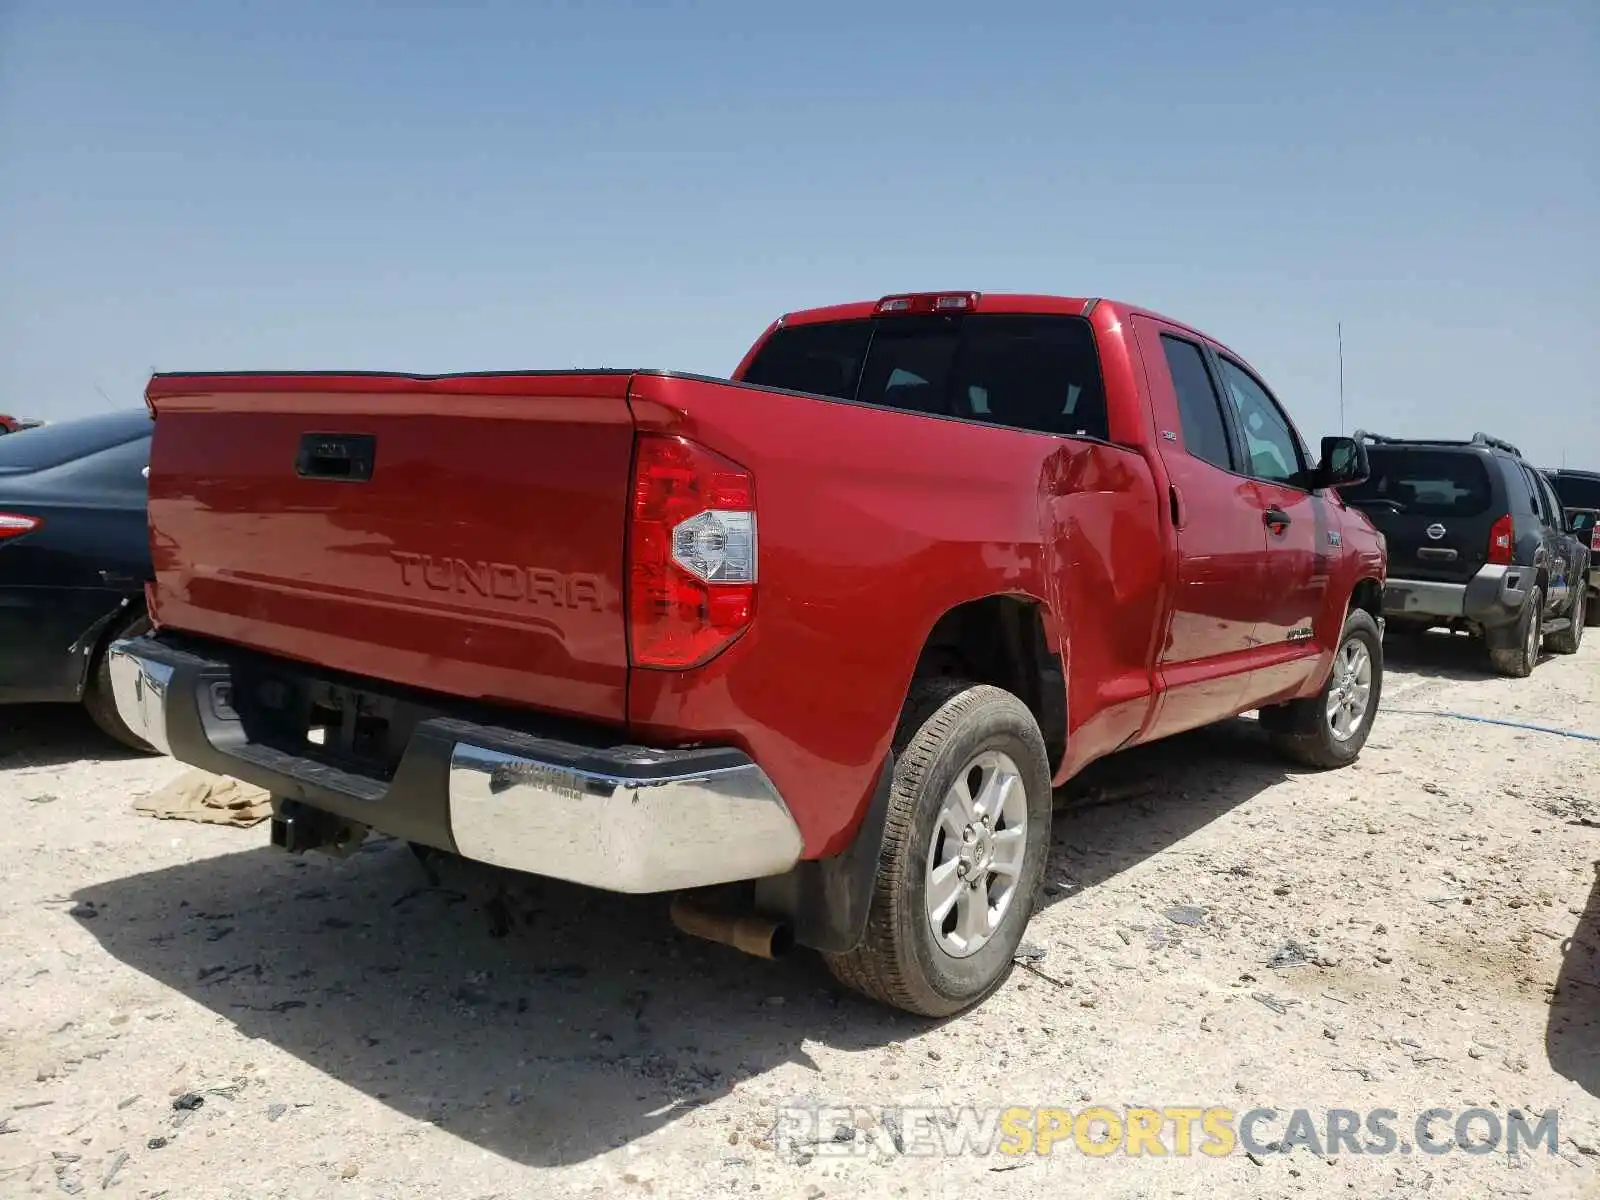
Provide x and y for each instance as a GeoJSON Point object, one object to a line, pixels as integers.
{"type": "Point", "coordinates": [1517, 653]}
{"type": "Point", "coordinates": [1567, 641]}
{"type": "Point", "coordinates": [1591, 613]}
{"type": "Point", "coordinates": [1301, 730]}
{"type": "Point", "coordinates": [97, 697]}
{"type": "Point", "coordinates": [946, 724]}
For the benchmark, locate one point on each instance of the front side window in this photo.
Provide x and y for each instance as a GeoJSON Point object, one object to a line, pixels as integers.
{"type": "Point", "coordinates": [1272, 451]}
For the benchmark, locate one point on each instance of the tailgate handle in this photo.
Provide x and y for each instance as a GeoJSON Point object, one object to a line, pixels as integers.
{"type": "Point", "coordinates": [1436, 555]}
{"type": "Point", "coordinates": [346, 457]}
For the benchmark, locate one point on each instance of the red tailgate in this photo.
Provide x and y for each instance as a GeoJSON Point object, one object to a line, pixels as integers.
{"type": "Point", "coordinates": [462, 534]}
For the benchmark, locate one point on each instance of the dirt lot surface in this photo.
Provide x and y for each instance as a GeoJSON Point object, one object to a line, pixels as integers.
{"type": "Point", "coordinates": [352, 1031]}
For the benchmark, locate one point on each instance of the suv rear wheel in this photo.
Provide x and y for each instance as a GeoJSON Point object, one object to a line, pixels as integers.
{"type": "Point", "coordinates": [963, 852]}
{"type": "Point", "coordinates": [1567, 641]}
{"type": "Point", "coordinates": [1518, 653]}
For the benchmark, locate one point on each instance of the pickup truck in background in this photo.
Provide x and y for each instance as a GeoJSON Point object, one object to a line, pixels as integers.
{"type": "Point", "coordinates": [808, 648]}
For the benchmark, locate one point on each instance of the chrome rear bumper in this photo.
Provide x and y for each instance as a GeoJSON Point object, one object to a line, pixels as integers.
{"type": "Point", "coordinates": [619, 817]}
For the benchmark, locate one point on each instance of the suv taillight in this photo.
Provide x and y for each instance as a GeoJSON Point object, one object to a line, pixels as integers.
{"type": "Point", "coordinates": [1500, 538]}
{"type": "Point", "coordinates": [691, 553]}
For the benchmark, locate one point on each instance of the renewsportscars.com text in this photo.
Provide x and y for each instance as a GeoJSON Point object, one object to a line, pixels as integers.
{"type": "Point", "coordinates": [1179, 1130]}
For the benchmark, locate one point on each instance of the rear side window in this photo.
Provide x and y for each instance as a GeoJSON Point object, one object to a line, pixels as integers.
{"type": "Point", "coordinates": [1027, 372]}
{"type": "Point", "coordinates": [1426, 483]}
{"type": "Point", "coordinates": [51, 445]}
{"type": "Point", "coordinates": [1199, 408]}
{"type": "Point", "coordinates": [1551, 501]}
{"type": "Point", "coordinates": [1541, 503]}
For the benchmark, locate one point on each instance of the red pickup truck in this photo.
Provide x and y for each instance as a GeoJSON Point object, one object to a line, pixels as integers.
{"type": "Point", "coordinates": [808, 647]}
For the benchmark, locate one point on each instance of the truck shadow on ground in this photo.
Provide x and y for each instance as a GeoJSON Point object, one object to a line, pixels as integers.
{"type": "Point", "coordinates": [1572, 1038]}
{"type": "Point", "coordinates": [546, 1022]}
{"type": "Point", "coordinates": [1130, 806]}
{"type": "Point", "coordinates": [1439, 655]}
{"type": "Point", "coordinates": [52, 735]}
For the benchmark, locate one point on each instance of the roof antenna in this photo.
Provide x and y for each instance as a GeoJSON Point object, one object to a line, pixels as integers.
{"type": "Point", "coordinates": [1341, 378]}
{"type": "Point", "coordinates": [109, 403]}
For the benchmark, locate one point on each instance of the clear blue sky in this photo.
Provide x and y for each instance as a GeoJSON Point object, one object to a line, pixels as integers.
{"type": "Point", "coordinates": [226, 184]}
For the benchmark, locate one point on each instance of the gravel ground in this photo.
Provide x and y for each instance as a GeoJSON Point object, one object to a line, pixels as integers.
{"type": "Point", "coordinates": [353, 1031]}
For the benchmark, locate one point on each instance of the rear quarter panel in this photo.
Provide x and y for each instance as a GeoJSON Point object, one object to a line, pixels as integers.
{"type": "Point", "coordinates": [872, 525]}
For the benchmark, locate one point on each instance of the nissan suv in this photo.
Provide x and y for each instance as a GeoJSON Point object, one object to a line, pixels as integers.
{"type": "Point", "coordinates": [1478, 542]}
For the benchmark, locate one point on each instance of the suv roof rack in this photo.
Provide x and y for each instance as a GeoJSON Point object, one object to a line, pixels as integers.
{"type": "Point", "coordinates": [1477, 439]}
{"type": "Point", "coordinates": [1483, 439]}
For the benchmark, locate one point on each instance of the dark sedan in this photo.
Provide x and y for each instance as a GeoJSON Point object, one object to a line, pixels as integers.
{"type": "Point", "coordinates": [74, 558]}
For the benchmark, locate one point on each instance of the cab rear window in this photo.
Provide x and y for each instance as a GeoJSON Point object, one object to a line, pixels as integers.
{"type": "Point", "coordinates": [1425, 483]}
{"type": "Point", "coordinates": [1027, 372]}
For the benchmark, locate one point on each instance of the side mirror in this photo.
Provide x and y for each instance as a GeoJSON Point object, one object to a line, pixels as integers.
{"type": "Point", "coordinates": [1344, 462]}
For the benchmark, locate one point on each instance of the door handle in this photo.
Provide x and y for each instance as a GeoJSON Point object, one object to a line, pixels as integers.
{"type": "Point", "coordinates": [347, 457]}
{"type": "Point", "coordinates": [1175, 500]}
{"type": "Point", "coordinates": [1276, 520]}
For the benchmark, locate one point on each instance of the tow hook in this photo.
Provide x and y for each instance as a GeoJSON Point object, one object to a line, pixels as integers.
{"type": "Point", "coordinates": [298, 827]}
{"type": "Point", "coordinates": [752, 933]}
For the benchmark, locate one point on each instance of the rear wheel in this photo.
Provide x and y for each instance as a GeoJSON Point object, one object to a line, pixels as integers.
{"type": "Point", "coordinates": [1329, 729]}
{"type": "Point", "coordinates": [1567, 641]}
{"type": "Point", "coordinates": [1517, 655]}
{"type": "Point", "coordinates": [98, 698]}
{"type": "Point", "coordinates": [963, 851]}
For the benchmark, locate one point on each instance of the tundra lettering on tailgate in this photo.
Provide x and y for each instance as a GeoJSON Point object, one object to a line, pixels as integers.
{"type": "Point", "coordinates": [499, 581]}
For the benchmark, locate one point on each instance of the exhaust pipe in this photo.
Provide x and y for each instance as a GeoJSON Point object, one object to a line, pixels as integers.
{"type": "Point", "coordinates": [749, 932]}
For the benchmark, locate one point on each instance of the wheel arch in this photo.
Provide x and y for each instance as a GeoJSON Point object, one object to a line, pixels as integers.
{"type": "Point", "coordinates": [1367, 595]}
{"type": "Point", "coordinates": [1003, 639]}
{"type": "Point", "coordinates": [96, 640]}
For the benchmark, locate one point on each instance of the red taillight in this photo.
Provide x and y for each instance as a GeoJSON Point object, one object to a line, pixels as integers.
{"type": "Point", "coordinates": [1500, 539]}
{"type": "Point", "coordinates": [691, 553]}
{"type": "Point", "coordinates": [927, 302]}
{"type": "Point", "coordinates": [15, 525]}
